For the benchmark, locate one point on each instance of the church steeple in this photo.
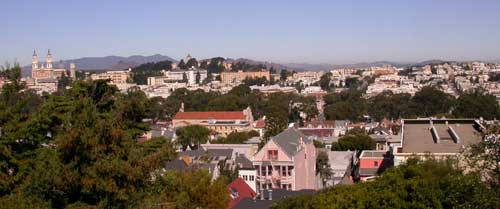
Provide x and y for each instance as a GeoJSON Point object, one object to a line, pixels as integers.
{"type": "Point", "coordinates": [49, 60]}
{"type": "Point", "coordinates": [34, 61]}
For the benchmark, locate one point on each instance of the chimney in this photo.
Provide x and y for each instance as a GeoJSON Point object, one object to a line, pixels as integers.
{"type": "Point", "coordinates": [261, 194]}
{"type": "Point", "coordinates": [270, 194]}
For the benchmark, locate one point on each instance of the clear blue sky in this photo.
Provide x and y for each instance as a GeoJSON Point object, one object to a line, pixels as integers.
{"type": "Point", "coordinates": [326, 31]}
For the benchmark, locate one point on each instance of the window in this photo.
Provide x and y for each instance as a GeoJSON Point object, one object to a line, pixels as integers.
{"type": "Point", "coordinates": [251, 178]}
{"type": "Point", "coordinates": [272, 154]}
{"type": "Point", "coordinates": [375, 164]}
{"type": "Point", "coordinates": [245, 177]}
{"type": "Point", "coordinates": [290, 168]}
{"type": "Point", "coordinates": [263, 171]}
{"type": "Point", "coordinates": [283, 171]}
{"type": "Point", "coordinates": [269, 170]}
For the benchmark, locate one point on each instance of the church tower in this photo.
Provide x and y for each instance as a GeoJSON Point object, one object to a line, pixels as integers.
{"type": "Point", "coordinates": [72, 73]}
{"type": "Point", "coordinates": [49, 60]}
{"type": "Point", "coordinates": [34, 61]}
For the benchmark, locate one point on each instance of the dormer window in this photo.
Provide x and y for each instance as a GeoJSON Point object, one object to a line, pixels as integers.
{"type": "Point", "coordinates": [272, 154]}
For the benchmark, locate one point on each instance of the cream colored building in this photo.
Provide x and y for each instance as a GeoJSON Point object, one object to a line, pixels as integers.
{"type": "Point", "coordinates": [238, 77]}
{"type": "Point", "coordinates": [115, 77]}
{"type": "Point", "coordinates": [223, 123]}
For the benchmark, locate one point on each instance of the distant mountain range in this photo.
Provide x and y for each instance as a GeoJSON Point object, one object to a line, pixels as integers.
{"type": "Point", "coordinates": [105, 63]}
{"type": "Point", "coordinates": [120, 63]}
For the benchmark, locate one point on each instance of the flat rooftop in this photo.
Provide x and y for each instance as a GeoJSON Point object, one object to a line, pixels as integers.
{"type": "Point", "coordinates": [417, 136]}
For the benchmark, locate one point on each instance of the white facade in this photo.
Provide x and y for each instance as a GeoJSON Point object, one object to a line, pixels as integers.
{"type": "Point", "coordinates": [249, 176]}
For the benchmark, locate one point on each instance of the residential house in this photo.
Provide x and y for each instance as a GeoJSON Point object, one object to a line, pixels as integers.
{"type": "Point", "coordinates": [202, 159]}
{"type": "Point", "coordinates": [287, 161]}
{"type": "Point", "coordinates": [246, 171]}
{"type": "Point", "coordinates": [373, 163]}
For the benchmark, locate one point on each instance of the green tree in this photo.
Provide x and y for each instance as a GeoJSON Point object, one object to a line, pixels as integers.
{"type": "Point", "coordinates": [430, 101]}
{"type": "Point", "coordinates": [416, 184]}
{"type": "Point", "coordinates": [347, 105]}
{"type": "Point", "coordinates": [141, 73]}
{"type": "Point", "coordinates": [324, 81]}
{"type": "Point", "coordinates": [182, 65]}
{"type": "Point", "coordinates": [191, 63]}
{"type": "Point", "coordinates": [276, 122]}
{"type": "Point", "coordinates": [283, 74]}
{"type": "Point", "coordinates": [186, 190]}
{"type": "Point", "coordinates": [483, 158]}
{"type": "Point", "coordinates": [237, 137]}
{"type": "Point", "coordinates": [323, 167]}
{"type": "Point", "coordinates": [477, 104]}
{"type": "Point", "coordinates": [391, 106]}
{"type": "Point", "coordinates": [192, 136]}
{"type": "Point", "coordinates": [354, 142]}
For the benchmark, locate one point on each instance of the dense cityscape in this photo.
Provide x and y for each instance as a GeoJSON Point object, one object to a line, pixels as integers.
{"type": "Point", "coordinates": [241, 131]}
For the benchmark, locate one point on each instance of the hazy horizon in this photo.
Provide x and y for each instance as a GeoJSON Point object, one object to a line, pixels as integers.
{"type": "Point", "coordinates": [319, 32]}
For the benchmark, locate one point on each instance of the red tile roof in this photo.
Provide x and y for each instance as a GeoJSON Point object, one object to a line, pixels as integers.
{"type": "Point", "coordinates": [260, 124]}
{"type": "Point", "coordinates": [209, 116]}
{"type": "Point", "coordinates": [243, 190]}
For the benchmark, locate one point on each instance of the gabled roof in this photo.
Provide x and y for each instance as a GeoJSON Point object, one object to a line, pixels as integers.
{"type": "Point", "coordinates": [239, 190]}
{"type": "Point", "coordinates": [289, 140]}
{"type": "Point", "coordinates": [340, 160]}
{"type": "Point", "coordinates": [210, 116]}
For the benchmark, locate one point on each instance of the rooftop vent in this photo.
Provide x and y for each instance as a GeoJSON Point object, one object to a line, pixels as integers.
{"type": "Point", "coordinates": [454, 135]}
{"type": "Point", "coordinates": [435, 135]}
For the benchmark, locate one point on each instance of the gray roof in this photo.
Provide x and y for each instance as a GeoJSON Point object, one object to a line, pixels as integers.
{"type": "Point", "coordinates": [253, 140]}
{"type": "Point", "coordinates": [176, 165]}
{"type": "Point", "coordinates": [193, 153]}
{"type": "Point", "coordinates": [371, 153]}
{"type": "Point", "coordinates": [340, 160]}
{"type": "Point", "coordinates": [228, 153]}
{"type": "Point", "coordinates": [379, 138]}
{"type": "Point", "coordinates": [289, 140]}
{"type": "Point", "coordinates": [243, 162]}
{"type": "Point", "coordinates": [277, 194]}
{"type": "Point", "coordinates": [417, 137]}
{"type": "Point", "coordinates": [368, 171]}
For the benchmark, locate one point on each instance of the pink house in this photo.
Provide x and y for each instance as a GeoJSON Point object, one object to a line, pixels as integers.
{"type": "Point", "coordinates": [287, 161]}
